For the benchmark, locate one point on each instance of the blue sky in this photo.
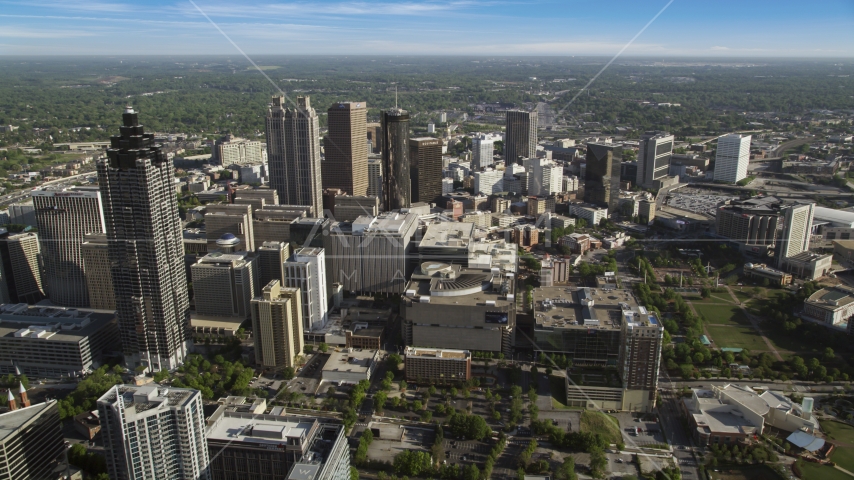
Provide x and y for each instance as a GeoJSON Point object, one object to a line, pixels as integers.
{"type": "Point", "coordinates": [746, 28]}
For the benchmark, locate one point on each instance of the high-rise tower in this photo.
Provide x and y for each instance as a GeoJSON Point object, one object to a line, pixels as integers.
{"type": "Point", "coordinates": [602, 176]}
{"type": "Point", "coordinates": [345, 164]}
{"type": "Point", "coordinates": [64, 217]}
{"type": "Point", "coordinates": [145, 249]}
{"type": "Point", "coordinates": [425, 155]}
{"type": "Point", "coordinates": [732, 158]}
{"type": "Point", "coordinates": [520, 136]}
{"type": "Point", "coordinates": [656, 150]}
{"type": "Point", "coordinates": [397, 186]}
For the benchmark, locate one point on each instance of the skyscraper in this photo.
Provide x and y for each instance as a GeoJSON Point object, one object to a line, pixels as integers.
{"type": "Point", "coordinates": [145, 248]}
{"type": "Point", "coordinates": [602, 177]}
{"type": "Point", "coordinates": [545, 177]}
{"type": "Point", "coordinates": [271, 256]}
{"type": "Point", "coordinates": [797, 228]}
{"type": "Point", "coordinates": [293, 153]}
{"type": "Point", "coordinates": [31, 443]}
{"type": "Point", "coordinates": [375, 177]}
{"type": "Point", "coordinates": [425, 156]}
{"type": "Point", "coordinates": [99, 279]}
{"type": "Point", "coordinates": [278, 323]}
{"type": "Point", "coordinates": [656, 149]}
{"type": "Point", "coordinates": [482, 148]}
{"type": "Point", "coordinates": [21, 272]}
{"type": "Point", "coordinates": [397, 188]}
{"type": "Point", "coordinates": [640, 357]}
{"type": "Point", "coordinates": [64, 217]}
{"type": "Point", "coordinates": [224, 284]}
{"type": "Point", "coordinates": [345, 165]}
{"type": "Point", "coordinates": [306, 270]}
{"type": "Point", "coordinates": [732, 158]}
{"type": "Point", "coordinates": [520, 136]}
{"type": "Point", "coordinates": [154, 432]}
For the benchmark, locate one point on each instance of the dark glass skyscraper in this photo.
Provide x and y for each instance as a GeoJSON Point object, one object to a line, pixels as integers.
{"type": "Point", "coordinates": [397, 185]}
{"type": "Point", "coordinates": [145, 250]}
{"type": "Point", "coordinates": [602, 177]}
{"type": "Point", "coordinates": [425, 156]}
{"type": "Point", "coordinates": [520, 136]}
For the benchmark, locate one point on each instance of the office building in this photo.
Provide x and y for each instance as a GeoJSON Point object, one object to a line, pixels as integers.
{"type": "Point", "coordinates": [21, 273]}
{"type": "Point", "coordinates": [397, 188]}
{"type": "Point", "coordinates": [640, 352]}
{"type": "Point", "coordinates": [831, 306]}
{"type": "Point", "coordinates": [545, 177]}
{"type": "Point", "coordinates": [371, 254]}
{"type": "Point", "coordinates": [306, 270]}
{"type": "Point", "coordinates": [154, 432]}
{"type": "Point", "coordinates": [23, 214]}
{"type": "Point", "coordinates": [55, 341]}
{"type": "Point", "coordinates": [375, 137]}
{"type": "Point", "coordinates": [425, 157]}
{"type": "Point", "coordinates": [245, 444]}
{"type": "Point", "coordinates": [375, 176]}
{"type": "Point", "coordinates": [654, 154]}
{"type": "Point", "coordinates": [808, 265]}
{"type": "Point", "coordinates": [592, 214]}
{"type": "Point", "coordinates": [293, 152]}
{"type": "Point", "coordinates": [762, 272]}
{"type": "Point", "coordinates": [349, 207]}
{"type": "Point", "coordinates": [273, 223]}
{"type": "Point", "coordinates": [602, 177]}
{"type": "Point", "coordinates": [345, 163]}
{"type": "Point", "coordinates": [436, 365]}
{"type": "Point", "coordinates": [271, 256]}
{"type": "Point", "coordinates": [488, 181]}
{"type": "Point", "coordinates": [225, 283]}
{"type": "Point", "coordinates": [520, 136]}
{"type": "Point", "coordinates": [447, 186]}
{"type": "Point", "coordinates": [448, 306]}
{"type": "Point", "coordinates": [221, 219]}
{"type": "Point", "coordinates": [732, 158]}
{"type": "Point", "coordinates": [754, 221]}
{"type": "Point", "coordinates": [794, 238]}
{"type": "Point", "coordinates": [31, 441]}
{"type": "Point", "coordinates": [278, 326]}
{"type": "Point", "coordinates": [99, 279]}
{"type": "Point", "coordinates": [145, 248]}
{"type": "Point", "coordinates": [646, 212]}
{"type": "Point", "coordinates": [258, 198]}
{"type": "Point", "coordinates": [351, 365]}
{"type": "Point", "coordinates": [231, 150]}
{"type": "Point", "coordinates": [482, 151]}
{"type": "Point", "coordinates": [446, 242]}
{"type": "Point", "coordinates": [64, 217]}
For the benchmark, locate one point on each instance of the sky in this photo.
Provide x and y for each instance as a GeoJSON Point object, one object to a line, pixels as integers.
{"type": "Point", "coordinates": [695, 28]}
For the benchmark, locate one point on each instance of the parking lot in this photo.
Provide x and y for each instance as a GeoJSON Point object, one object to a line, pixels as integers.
{"type": "Point", "coordinates": [650, 432]}
{"type": "Point", "coordinates": [386, 446]}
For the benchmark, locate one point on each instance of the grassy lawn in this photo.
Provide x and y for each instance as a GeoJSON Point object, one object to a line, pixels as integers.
{"type": "Point", "coordinates": [597, 422]}
{"type": "Point", "coordinates": [559, 406]}
{"type": "Point", "coordinates": [840, 432]}
{"type": "Point", "coordinates": [814, 471]}
{"type": "Point", "coordinates": [722, 314]}
{"type": "Point", "coordinates": [737, 337]}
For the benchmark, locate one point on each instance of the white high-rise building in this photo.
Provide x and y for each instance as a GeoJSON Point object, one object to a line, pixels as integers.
{"type": "Point", "coordinates": [797, 228]}
{"type": "Point", "coordinates": [545, 177]}
{"type": "Point", "coordinates": [732, 158]}
{"type": "Point", "coordinates": [154, 432]}
{"type": "Point", "coordinates": [482, 148]}
{"type": "Point", "coordinates": [306, 270]}
{"type": "Point", "coordinates": [488, 181]}
{"type": "Point", "coordinates": [570, 184]}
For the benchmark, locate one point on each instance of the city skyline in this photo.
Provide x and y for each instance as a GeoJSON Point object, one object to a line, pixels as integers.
{"type": "Point", "coordinates": [328, 28]}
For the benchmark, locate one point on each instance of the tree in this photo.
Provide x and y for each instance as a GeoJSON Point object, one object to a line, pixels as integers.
{"type": "Point", "coordinates": [288, 373]}
{"type": "Point", "coordinates": [598, 463]}
{"type": "Point", "coordinates": [354, 473]}
{"type": "Point", "coordinates": [403, 385]}
{"type": "Point", "coordinates": [323, 347]}
{"type": "Point", "coordinates": [412, 462]}
{"type": "Point", "coordinates": [566, 471]}
{"type": "Point", "coordinates": [828, 354]}
{"type": "Point", "coordinates": [471, 473]}
{"type": "Point", "coordinates": [471, 427]}
{"type": "Point", "coordinates": [393, 362]}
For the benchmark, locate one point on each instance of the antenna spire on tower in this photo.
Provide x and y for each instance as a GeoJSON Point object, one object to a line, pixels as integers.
{"type": "Point", "coordinates": [395, 97]}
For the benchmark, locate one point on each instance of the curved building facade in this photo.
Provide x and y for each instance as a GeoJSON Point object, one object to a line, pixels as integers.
{"type": "Point", "coordinates": [397, 185]}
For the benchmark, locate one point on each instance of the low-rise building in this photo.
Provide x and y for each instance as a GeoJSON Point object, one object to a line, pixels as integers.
{"type": "Point", "coordinates": [434, 365]}
{"type": "Point", "coordinates": [762, 271]}
{"type": "Point", "coordinates": [350, 365]}
{"type": "Point", "coordinates": [590, 213]}
{"type": "Point", "coordinates": [832, 306]}
{"type": "Point", "coordinates": [365, 336]}
{"type": "Point", "coordinates": [808, 265]}
{"type": "Point", "coordinates": [577, 242]}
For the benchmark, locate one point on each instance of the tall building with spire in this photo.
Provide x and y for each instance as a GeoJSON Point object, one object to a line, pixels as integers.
{"type": "Point", "coordinates": [145, 249]}
{"type": "Point", "coordinates": [397, 185]}
{"type": "Point", "coordinates": [293, 153]}
{"type": "Point", "coordinates": [345, 148]}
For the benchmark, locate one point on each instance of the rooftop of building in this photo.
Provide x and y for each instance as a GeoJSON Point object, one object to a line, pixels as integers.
{"type": "Point", "coordinates": [441, 283]}
{"type": "Point", "coordinates": [447, 234]}
{"type": "Point", "coordinates": [147, 397]}
{"type": "Point", "coordinates": [763, 268]}
{"type": "Point", "coordinates": [308, 252]}
{"type": "Point", "coordinates": [260, 429]}
{"type": "Point", "coordinates": [589, 308]}
{"type": "Point", "coordinates": [58, 324]}
{"type": "Point", "coordinates": [836, 217]}
{"type": "Point", "coordinates": [833, 297]}
{"type": "Point", "coordinates": [353, 360]}
{"type": "Point", "coordinates": [11, 422]}
{"type": "Point", "coordinates": [219, 258]}
{"type": "Point", "coordinates": [437, 353]}
{"type": "Point", "coordinates": [389, 223]}
{"type": "Point", "coordinates": [225, 323]}
{"type": "Point", "coordinates": [808, 257]}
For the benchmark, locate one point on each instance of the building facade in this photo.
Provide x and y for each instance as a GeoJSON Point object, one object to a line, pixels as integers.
{"type": "Point", "coordinates": [145, 249]}
{"type": "Point", "coordinates": [482, 148]}
{"type": "Point", "coordinates": [225, 283]}
{"type": "Point", "coordinates": [227, 218]}
{"type": "Point", "coordinates": [433, 365]}
{"type": "Point", "coordinates": [345, 163]}
{"type": "Point", "coordinates": [375, 176]}
{"type": "Point", "coordinates": [31, 441]}
{"type": "Point", "coordinates": [654, 155]}
{"type": "Point", "coordinates": [21, 272]}
{"type": "Point", "coordinates": [425, 157]}
{"type": "Point", "coordinates": [397, 184]}
{"type": "Point", "coordinates": [602, 177]}
{"type": "Point", "coordinates": [154, 432]}
{"type": "Point", "coordinates": [271, 256]}
{"type": "Point", "coordinates": [732, 158]}
{"type": "Point", "coordinates": [278, 326]}
{"type": "Point", "coordinates": [306, 270]}
{"type": "Point", "coordinates": [99, 278]}
{"type": "Point", "coordinates": [520, 136]}
{"type": "Point", "coordinates": [489, 181]}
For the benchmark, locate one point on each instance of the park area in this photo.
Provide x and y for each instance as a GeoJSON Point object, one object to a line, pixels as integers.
{"type": "Point", "coordinates": [841, 435]}
{"type": "Point", "coordinates": [722, 314]}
